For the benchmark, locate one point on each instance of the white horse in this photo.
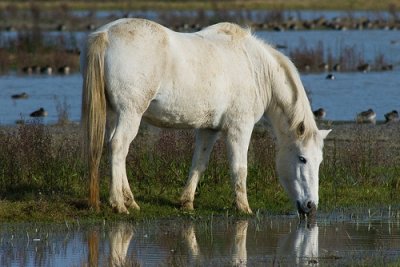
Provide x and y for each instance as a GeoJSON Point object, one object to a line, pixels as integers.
{"type": "Point", "coordinates": [218, 80]}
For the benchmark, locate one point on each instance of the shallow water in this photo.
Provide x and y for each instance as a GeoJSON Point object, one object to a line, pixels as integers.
{"type": "Point", "coordinates": [212, 242]}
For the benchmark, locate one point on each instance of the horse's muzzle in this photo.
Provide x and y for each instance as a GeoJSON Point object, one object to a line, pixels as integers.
{"type": "Point", "coordinates": [308, 208]}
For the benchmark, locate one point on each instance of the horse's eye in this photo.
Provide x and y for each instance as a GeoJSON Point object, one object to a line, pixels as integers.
{"type": "Point", "coordinates": [302, 160]}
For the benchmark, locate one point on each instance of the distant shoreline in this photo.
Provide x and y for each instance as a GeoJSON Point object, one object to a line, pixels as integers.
{"type": "Point", "coordinates": [370, 5]}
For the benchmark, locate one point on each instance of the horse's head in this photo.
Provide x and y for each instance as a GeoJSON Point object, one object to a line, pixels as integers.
{"type": "Point", "coordinates": [298, 161]}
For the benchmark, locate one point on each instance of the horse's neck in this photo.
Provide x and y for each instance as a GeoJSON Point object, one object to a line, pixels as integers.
{"type": "Point", "coordinates": [275, 113]}
{"type": "Point", "coordinates": [282, 101]}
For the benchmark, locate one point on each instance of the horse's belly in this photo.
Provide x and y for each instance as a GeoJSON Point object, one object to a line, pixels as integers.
{"type": "Point", "coordinates": [172, 115]}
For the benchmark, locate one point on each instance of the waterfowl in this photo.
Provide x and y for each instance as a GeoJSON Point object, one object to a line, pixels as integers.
{"type": "Point", "coordinates": [368, 116]}
{"type": "Point", "coordinates": [319, 114]}
{"type": "Point", "coordinates": [35, 69]}
{"type": "Point", "coordinates": [281, 46]}
{"type": "Point", "coordinates": [387, 67]}
{"type": "Point", "coordinates": [27, 70]}
{"type": "Point", "coordinates": [336, 67]}
{"type": "Point", "coordinates": [39, 113]}
{"type": "Point", "coordinates": [330, 76]}
{"type": "Point", "coordinates": [20, 96]}
{"type": "Point", "coordinates": [64, 69]}
{"type": "Point", "coordinates": [90, 27]}
{"type": "Point", "coordinates": [323, 66]}
{"type": "Point", "coordinates": [46, 70]}
{"type": "Point", "coordinates": [392, 116]}
{"type": "Point", "coordinates": [363, 67]}
{"type": "Point", "coordinates": [61, 27]}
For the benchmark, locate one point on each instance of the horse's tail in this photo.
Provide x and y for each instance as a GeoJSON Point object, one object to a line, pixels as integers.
{"type": "Point", "coordinates": [94, 110]}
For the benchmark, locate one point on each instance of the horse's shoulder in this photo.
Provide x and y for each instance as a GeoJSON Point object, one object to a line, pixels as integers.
{"type": "Point", "coordinates": [225, 30]}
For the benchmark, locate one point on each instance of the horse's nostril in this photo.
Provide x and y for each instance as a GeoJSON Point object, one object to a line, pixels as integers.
{"type": "Point", "coordinates": [309, 204]}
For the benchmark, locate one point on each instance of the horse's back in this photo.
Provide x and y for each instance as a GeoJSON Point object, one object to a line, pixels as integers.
{"type": "Point", "coordinates": [134, 62]}
{"type": "Point", "coordinates": [181, 79]}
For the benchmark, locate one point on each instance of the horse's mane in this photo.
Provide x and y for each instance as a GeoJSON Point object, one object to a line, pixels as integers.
{"type": "Point", "coordinates": [297, 109]}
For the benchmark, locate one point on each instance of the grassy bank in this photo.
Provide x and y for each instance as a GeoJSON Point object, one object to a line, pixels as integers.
{"type": "Point", "coordinates": [204, 4]}
{"type": "Point", "coordinates": [43, 179]}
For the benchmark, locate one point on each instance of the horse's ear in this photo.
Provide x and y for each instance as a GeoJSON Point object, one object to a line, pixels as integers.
{"type": "Point", "coordinates": [324, 133]}
{"type": "Point", "coordinates": [300, 129]}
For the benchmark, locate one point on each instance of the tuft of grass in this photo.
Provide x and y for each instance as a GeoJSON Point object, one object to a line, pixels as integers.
{"type": "Point", "coordinates": [63, 110]}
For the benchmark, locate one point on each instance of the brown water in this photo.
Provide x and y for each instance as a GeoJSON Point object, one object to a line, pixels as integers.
{"type": "Point", "coordinates": [267, 241]}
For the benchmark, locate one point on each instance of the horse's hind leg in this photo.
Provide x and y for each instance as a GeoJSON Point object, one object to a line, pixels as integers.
{"type": "Point", "coordinates": [237, 140]}
{"type": "Point", "coordinates": [121, 196]}
{"type": "Point", "coordinates": [205, 140]}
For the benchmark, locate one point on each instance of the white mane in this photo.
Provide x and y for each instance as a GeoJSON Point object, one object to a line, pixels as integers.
{"type": "Point", "coordinates": [293, 103]}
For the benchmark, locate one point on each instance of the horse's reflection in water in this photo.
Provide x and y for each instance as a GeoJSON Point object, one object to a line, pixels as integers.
{"type": "Point", "coordinates": [238, 249]}
{"type": "Point", "coordinates": [239, 253]}
{"type": "Point", "coordinates": [302, 244]}
{"type": "Point", "coordinates": [296, 248]}
{"type": "Point", "coordinates": [189, 237]}
{"type": "Point", "coordinates": [120, 238]}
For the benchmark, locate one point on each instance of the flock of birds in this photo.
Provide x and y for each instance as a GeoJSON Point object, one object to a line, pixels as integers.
{"type": "Point", "coordinates": [45, 70]}
{"type": "Point", "coordinates": [41, 112]}
{"type": "Point", "coordinates": [367, 116]}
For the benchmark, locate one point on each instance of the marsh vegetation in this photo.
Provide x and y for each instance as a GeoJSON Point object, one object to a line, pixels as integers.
{"type": "Point", "coordinates": [43, 178]}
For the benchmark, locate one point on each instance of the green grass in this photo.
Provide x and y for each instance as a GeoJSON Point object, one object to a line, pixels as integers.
{"type": "Point", "coordinates": [42, 177]}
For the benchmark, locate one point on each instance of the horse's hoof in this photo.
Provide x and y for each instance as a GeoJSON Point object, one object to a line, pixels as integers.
{"type": "Point", "coordinates": [187, 205]}
{"type": "Point", "coordinates": [244, 209]}
{"type": "Point", "coordinates": [119, 208]}
{"type": "Point", "coordinates": [133, 205]}
{"type": "Point", "coordinates": [247, 211]}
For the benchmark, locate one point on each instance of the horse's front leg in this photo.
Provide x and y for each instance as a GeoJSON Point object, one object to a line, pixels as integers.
{"type": "Point", "coordinates": [121, 196]}
{"type": "Point", "coordinates": [205, 140]}
{"type": "Point", "coordinates": [237, 140]}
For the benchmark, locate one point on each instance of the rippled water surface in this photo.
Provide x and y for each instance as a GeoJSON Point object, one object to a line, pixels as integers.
{"type": "Point", "coordinates": [211, 242]}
